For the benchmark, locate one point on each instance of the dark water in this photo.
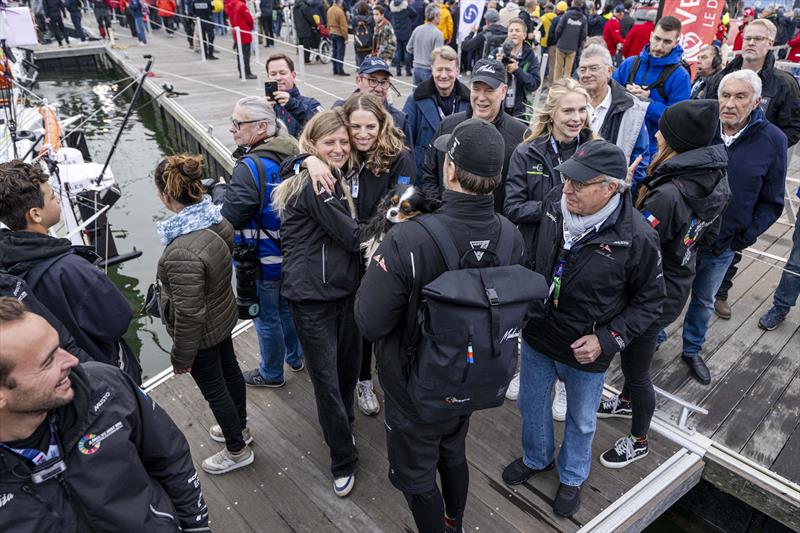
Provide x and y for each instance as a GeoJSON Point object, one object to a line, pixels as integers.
{"type": "Point", "coordinates": [133, 217]}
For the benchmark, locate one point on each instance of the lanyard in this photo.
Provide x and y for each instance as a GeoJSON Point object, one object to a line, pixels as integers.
{"type": "Point", "coordinates": [354, 182]}
{"type": "Point", "coordinates": [561, 265]}
{"type": "Point", "coordinates": [554, 144]}
{"type": "Point", "coordinates": [37, 457]}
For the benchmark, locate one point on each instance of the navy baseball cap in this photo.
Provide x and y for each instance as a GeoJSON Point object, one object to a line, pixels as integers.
{"type": "Point", "coordinates": [475, 146]}
{"type": "Point", "coordinates": [593, 159]}
{"type": "Point", "coordinates": [489, 71]}
{"type": "Point", "coordinates": [374, 64]}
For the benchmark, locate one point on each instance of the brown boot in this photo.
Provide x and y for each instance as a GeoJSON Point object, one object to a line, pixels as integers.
{"type": "Point", "coordinates": [722, 309]}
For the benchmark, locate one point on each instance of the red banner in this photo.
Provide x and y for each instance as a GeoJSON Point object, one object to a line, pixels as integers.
{"type": "Point", "coordinates": [699, 21]}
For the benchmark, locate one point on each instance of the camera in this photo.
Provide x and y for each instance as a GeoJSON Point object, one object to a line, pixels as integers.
{"type": "Point", "coordinates": [248, 272]}
{"type": "Point", "coordinates": [508, 47]}
{"type": "Point", "coordinates": [270, 86]}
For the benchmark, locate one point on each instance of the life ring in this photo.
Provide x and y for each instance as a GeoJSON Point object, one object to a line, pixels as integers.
{"type": "Point", "coordinates": [52, 130]}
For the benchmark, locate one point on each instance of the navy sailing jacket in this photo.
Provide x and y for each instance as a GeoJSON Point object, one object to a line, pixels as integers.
{"type": "Point", "coordinates": [297, 111]}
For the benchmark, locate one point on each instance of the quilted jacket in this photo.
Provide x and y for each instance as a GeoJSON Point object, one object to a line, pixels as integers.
{"type": "Point", "coordinates": [196, 293]}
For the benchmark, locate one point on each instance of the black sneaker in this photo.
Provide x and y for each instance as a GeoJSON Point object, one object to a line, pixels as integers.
{"type": "Point", "coordinates": [518, 472]}
{"type": "Point", "coordinates": [625, 451]}
{"type": "Point", "coordinates": [614, 407]}
{"type": "Point", "coordinates": [298, 368]}
{"type": "Point", "coordinates": [252, 378]}
{"type": "Point", "coordinates": [568, 500]}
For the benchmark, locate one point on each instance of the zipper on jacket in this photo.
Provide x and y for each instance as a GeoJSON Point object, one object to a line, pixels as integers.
{"type": "Point", "coordinates": [29, 491]}
{"type": "Point", "coordinates": [324, 260]}
{"type": "Point", "coordinates": [76, 503]}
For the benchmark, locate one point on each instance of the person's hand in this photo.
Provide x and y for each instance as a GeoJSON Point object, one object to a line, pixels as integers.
{"type": "Point", "coordinates": [512, 66]}
{"type": "Point", "coordinates": [586, 349]}
{"type": "Point", "coordinates": [177, 370]}
{"type": "Point", "coordinates": [320, 173]}
{"type": "Point", "coordinates": [281, 97]}
{"type": "Point", "coordinates": [632, 168]}
{"type": "Point", "coordinates": [638, 91]}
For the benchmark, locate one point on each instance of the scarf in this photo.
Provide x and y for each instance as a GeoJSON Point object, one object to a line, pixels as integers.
{"type": "Point", "coordinates": [194, 217]}
{"type": "Point", "coordinates": [578, 226]}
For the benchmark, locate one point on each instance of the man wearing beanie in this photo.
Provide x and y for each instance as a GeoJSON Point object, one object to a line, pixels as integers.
{"type": "Point", "coordinates": [757, 163]}
{"type": "Point", "coordinates": [570, 33]}
{"type": "Point", "coordinates": [682, 199]}
{"type": "Point", "coordinates": [590, 236]}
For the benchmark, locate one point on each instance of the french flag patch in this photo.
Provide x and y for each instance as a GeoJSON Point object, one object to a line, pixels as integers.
{"type": "Point", "coordinates": [651, 219]}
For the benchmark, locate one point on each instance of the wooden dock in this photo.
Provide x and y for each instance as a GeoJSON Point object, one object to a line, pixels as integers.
{"type": "Point", "coordinates": [748, 445]}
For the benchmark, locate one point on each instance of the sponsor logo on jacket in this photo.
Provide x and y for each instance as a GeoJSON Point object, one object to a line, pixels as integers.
{"type": "Point", "coordinates": [5, 498]}
{"type": "Point", "coordinates": [90, 443]}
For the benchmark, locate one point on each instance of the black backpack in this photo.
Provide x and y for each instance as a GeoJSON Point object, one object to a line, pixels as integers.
{"type": "Point", "coordinates": [465, 346]}
{"type": "Point", "coordinates": [663, 76]}
{"type": "Point", "coordinates": [491, 42]}
{"type": "Point", "coordinates": [362, 35]}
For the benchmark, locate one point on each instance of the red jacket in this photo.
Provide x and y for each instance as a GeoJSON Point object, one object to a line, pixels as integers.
{"type": "Point", "coordinates": [738, 40]}
{"type": "Point", "coordinates": [240, 16]}
{"type": "Point", "coordinates": [612, 35]}
{"type": "Point", "coordinates": [794, 49]}
{"type": "Point", "coordinates": [637, 39]}
{"type": "Point", "coordinates": [166, 8]}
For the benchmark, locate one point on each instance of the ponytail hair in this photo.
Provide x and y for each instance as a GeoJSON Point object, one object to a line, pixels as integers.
{"type": "Point", "coordinates": [180, 177]}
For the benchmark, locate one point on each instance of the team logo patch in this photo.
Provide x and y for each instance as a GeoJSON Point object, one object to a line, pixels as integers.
{"type": "Point", "coordinates": [90, 443]}
{"type": "Point", "coordinates": [651, 219]}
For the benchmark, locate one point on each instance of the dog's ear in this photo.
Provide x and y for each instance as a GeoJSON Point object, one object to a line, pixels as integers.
{"type": "Point", "coordinates": [429, 205]}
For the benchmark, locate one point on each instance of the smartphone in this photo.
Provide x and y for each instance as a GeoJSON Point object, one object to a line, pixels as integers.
{"type": "Point", "coordinates": [270, 87]}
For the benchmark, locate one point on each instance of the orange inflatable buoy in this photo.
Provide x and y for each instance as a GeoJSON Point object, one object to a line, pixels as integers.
{"type": "Point", "coordinates": [52, 130]}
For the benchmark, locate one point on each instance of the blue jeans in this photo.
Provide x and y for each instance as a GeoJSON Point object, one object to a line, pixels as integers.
{"type": "Point", "coordinates": [140, 30]}
{"type": "Point", "coordinates": [277, 339]}
{"type": "Point", "coordinates": [338, 54]}
{"type": "Point", "coordinates": [402, 57]}
{"type": "Point", "coordinates": [537, 375]}
{"type": "Point", "coordinates": [789, 286]}
{"type": "Point", "coordinates": [420, 74]}
{"type": "Point", "coordinates": [710, 271]}
{"type": "Point", "coordinates": [219, 18]}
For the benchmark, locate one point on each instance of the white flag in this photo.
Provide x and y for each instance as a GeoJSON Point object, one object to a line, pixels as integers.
{"type": "Point", "coordinates": [471, 13]}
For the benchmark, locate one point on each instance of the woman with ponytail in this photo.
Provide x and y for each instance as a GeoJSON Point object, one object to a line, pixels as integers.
{"type": "Point", "coordinates": [198, 306]}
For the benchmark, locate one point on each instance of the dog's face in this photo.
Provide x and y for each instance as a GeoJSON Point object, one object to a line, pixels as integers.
{"type": "Point", "coordinates": [404, 202]}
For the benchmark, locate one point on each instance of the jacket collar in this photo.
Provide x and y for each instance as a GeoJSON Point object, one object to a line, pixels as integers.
{"type": "Point", "coordinates": [427, 89]}
{"type": "Point", "coordinates": [736, 64]}
{"type": "Point", "coordinates": [621, 100]}
{"type": "Point", "coordinates": [617, 230]}
{"type": "Point", "coordinates": [673, 57]}
{"type": "Point", "coordinates": [756, 122]}
{"type": "Point", "coordinates": [467, 206]}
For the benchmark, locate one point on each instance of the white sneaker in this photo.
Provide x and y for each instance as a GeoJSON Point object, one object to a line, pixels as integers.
{"type": "Point", "coordinates": [560, 402]}
{"type": "Point", "coordinates": [513, 388]}
{"type": "Point", "coordinates": [343, 485]}
{"type": "Point", "coordinates": [217, 435]}
{"type": "Point", "coordinates": [224, 461]}
{"type": "Point", "coordinates": [367, 401]}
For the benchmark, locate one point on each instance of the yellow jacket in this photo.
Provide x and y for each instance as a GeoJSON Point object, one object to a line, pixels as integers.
{"type": "Point", "coordinates": [546, 19]}
{"type": "Point", "coordinates": [217, 6]}
{"type": "Point", "coordinates": [446, 23]}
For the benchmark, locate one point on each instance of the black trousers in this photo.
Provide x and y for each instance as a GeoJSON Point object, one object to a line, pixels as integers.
{"type": "Point", "coordinates": [727, 281]}
{"type": "Point", "coordinates": [208, 36]}
{"type": "Point", "coordinates": [245, 58]}
{"type": "Point", "coordinates": [332, 349]}
{"type": "Point", "coordinates": [635, 361]}
{"type": "Point", "coordinates": [57, 27]}
{"type": "Point", "coordinates": [266, 27]}
{"type": "Point", "coordinates": [188, 29]}
{"type": "Point", "coordinates": [219, 378]}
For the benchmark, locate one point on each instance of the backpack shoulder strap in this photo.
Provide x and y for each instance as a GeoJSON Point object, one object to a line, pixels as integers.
{"type": "Point", "coordinates": [262, 188]}
{"type": "Point", "coordinates": [634, 69]}
{"type": "Point", "coordinates": [662, 78]}
{"type": "Point", "coordinates": [505, 243]}
{"type": "Point", "coordinates": [441, 236]}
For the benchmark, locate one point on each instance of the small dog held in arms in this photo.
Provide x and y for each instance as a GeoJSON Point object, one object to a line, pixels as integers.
{"type": "Point", "coordinates": [400, 204]}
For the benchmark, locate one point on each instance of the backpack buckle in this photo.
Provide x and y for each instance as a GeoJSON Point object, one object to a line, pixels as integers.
{"type": "Point", "coordinates": [494, 299]}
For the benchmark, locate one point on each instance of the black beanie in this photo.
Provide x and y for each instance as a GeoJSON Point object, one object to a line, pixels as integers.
{"type": "Point", "coordinates": [689, 124]}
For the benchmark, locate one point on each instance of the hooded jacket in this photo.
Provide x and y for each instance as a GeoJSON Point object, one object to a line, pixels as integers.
{"type": "Point", "coordinates": [612, 285]}
{"type": "Point", "coordinates": [303, 16]}
{"type": "Point", "coordinates": [242, 198]}
{"type": "Point", "coordinates": [128, 467]}
{"type": "Point", "coordinates": [297, 111]}
{"type": "Point", "coordinates": [571, 31]}
{"type": "Point", "coordinates": [512, 130]}
{"type": "Point", "coordinates": [531, 175]}
{"type": "Point", "coordinates": [78, 294]}
{"type": "Point", "coordinates": [780, 95]}
{"type": "Point", "coordinates": [424, 117]}
{"type": "Point", "coordinates": [493, 33]}
{"type": "Point", "coordinates": [757, 164]}
{"type": "Point", "coordinates": [402, 17]}
{"type": "Point", "coordinates": [624, 125]}
{"type": "Point", "coordinates": [524, 81]}
{"type": "Point", "coordinates": [677, 87]}
{"type": "Point", "coordinates": [240, 17]}
{"type": "Point", "coordinates": [686, 197]}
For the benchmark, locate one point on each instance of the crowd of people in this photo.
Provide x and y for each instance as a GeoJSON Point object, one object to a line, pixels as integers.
{"type": "Point", "coordinates": [631, 190]}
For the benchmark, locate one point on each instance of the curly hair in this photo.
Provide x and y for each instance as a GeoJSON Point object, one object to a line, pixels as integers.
{"type": "Point", "coordinates": [20, 191]}
{"type": "Point", "coordinates": [180, 177]}
{"type": "Point", "coordinates": [390, 139]}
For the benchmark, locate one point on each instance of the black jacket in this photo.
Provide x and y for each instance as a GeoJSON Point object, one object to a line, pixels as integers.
{"type": "Point", "coordinates": [531, 175]}
{"type": "Point", "coordinates": [405, 262]}
{"type": "Point", "coordinates": [79, 294]}
{"type": "Point", "coordinates": [571, 31]}
{"type": "Point", "coordinates": [686, 198]}
{"type": "Point", "coordinates": [524, 81]}
{"type": "Point", "coordinates": [780, 95]}
{"type": "Point", "coordinates": [139, 477]}
{"type": "Point", "coordinates": [303, 14]}
{"type": "Point", "coordinates": [595, 25]}
{"type": "Point", "coordinates": [320, 245]}
{"type": "Point", "coordinates": [613, 286]}
{"type": "Point", "coordinates": [512, 130]}
{"type": "Point", "coordinates": [494, 33]}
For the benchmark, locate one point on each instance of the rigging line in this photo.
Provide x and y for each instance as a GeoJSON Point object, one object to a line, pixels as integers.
{"type": "Point", "coordinates": [212, 85]}
{"type": "Point", "coordinates": [772, 265]}
{"type": "Point", "coordinates": [101, 108]}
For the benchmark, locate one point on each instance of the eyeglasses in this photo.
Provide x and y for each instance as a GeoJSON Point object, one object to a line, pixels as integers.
{"type": "Point", "coordinates": [374, 82]}
{"type": "Point", "coordinates": [579, 186]}
{"type": "Point", "coordinates": [756, 38]}
{"type": "Point", "coordinates": [237, 124]}
{"type": "Point", "coordinates": [594, 69]}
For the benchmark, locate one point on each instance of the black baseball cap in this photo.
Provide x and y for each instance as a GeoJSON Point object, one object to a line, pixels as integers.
{"type": "Point", "coordinates": [593, 159]}
{"type": "Point", "coordinates": [374, 64]}
{"type": "Point", "coordinates": [489, 71]}
{"type": "Point", "coordinates": [475, 146]}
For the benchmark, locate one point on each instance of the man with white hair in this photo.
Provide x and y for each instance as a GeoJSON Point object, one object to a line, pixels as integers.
{"type": "Point", "coordinates": [757, 164]}
{"type": "Point", "coordinates": [614, 114]}
{"type": "Point", "coordinates": [590, 235]}
{"type": "Point", "coordinates": [263, 146]}
{"type": "Point", "coordinates": [780, 101]}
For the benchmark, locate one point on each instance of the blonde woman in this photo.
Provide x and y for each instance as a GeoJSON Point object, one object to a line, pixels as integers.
{"type": "Point", "coordinates": [321, 271]}
{"type": "Point", "coordinates": [557, 130]}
